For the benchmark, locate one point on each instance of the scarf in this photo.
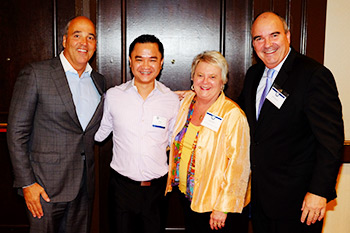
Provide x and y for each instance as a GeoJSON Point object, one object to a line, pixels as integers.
{"type": "Point", "coordinates": [177, 156]}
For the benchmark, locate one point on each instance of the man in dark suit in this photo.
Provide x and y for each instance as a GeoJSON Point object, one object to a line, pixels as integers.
{"type": "Point", "coordinates": [296, 139]}
{"type": "Point", "coordinates": [54, 114]}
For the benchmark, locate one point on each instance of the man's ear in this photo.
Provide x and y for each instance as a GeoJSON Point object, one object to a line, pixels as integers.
{"type": "Point", "coordinates": [288, 36]}
{"type": "Point", "coordinates": [64, 41]}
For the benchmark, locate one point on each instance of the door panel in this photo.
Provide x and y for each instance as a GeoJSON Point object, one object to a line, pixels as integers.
{"type": "Point", "coordinates": [109, 40]}
{"type": "Point", "coordinates": [25, 37]}
{"type": "Point", "coordinates": [185, 28]}
{"type": "Point", "coordinates": [237, 46]}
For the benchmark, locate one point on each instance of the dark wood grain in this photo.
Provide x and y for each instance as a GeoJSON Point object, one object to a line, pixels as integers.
{"type": "Point", "coordinates": [186, 28]}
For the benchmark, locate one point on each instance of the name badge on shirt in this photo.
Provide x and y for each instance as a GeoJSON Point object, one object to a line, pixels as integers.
{"type": "Point", "coordinates": [159, 122]}
{"type": "Point", "coordinates": [212, 121]}
{"type": "Point", "coordinates": [277, 96]}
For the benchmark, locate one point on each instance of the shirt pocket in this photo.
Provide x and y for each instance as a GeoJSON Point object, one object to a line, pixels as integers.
{"type": "Point", "coordinates": [158, 124]}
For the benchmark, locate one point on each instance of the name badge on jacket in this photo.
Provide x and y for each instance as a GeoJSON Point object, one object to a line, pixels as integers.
{"type": "Point", "coordinates": [212, 121]}
{"type": "Point", "coordinates": [277, 96]}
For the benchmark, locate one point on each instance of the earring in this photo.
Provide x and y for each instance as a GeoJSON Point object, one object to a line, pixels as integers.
{"type": "Point", "coordinates": [192, 87]}
{"type": "Point", "coordinates": [222, 87]}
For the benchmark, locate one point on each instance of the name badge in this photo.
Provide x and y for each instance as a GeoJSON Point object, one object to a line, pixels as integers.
{"type": "Point", "coordinates": [212, 121]}
{"type": "Point", "coordinates": [276, 97]}
{"type": "Point", "coordinates": [159, 122]}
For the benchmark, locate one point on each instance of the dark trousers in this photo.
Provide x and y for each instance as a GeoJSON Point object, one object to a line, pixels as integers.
{"type": "Point", "coordinates": [135, 208]}
{"type": "Point", "coordinates": [64, 217]}
{"type": "Point", "coordinates": [264, 224]}
{"type": "Point", "coordinates": [199, 222]}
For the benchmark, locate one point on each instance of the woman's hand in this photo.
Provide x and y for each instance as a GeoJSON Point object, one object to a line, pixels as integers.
{"type": "Point", "coordinates": [217, 220]}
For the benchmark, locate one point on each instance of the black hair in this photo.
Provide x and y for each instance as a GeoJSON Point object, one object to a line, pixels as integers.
{"type": "Point", "coordinates": [145, 38]}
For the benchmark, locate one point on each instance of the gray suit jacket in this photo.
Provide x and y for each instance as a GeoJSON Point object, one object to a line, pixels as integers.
{"type": "Point", "coordinates": [46, 142]}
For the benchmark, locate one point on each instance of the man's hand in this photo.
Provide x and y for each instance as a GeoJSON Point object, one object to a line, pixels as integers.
{"type": "Point", "coordinates": [32, 197]}
{"type": "Point", "coordinates": [181, 94]}
{"type": "Point", "coordinates": [217, 220]}
{"type": "Point", "coordinates": [314, 208]}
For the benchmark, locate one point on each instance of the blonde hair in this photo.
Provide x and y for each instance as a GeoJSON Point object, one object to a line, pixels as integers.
{"type": "Point", "coordinates": [214, 58]}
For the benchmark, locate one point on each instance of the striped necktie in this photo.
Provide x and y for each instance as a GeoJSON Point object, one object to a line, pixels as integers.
{"type": "Point", "coordinates": [270, 73]}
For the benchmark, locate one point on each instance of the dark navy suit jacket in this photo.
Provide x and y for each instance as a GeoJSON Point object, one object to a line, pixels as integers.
{"type": "Point", "coordinates": [295, 149]}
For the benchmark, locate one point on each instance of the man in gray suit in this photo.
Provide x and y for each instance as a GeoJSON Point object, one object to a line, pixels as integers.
{"type": "Point", "coordinates": [54, 114]}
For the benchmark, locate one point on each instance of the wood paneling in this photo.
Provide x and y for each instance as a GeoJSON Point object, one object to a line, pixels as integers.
{"type": "Point", "coordinates": [109, 40]}
{"type": "Point", "coordinates": [25, 37]}
{"type": "Point", "coordinates": [182, 32]}
{"type": "Point", "coordinates": [13, 216]}
{"type": "Point", "coordinates": [32, 31]}
{"type": "Point", "coordinates": [316, 22]}
{"type": "Point", "coordinates": [307, 20]}
{"type": "Point", "coordinates": [29, 31]}
{"type": "Point", "coordinates": [238, 49]}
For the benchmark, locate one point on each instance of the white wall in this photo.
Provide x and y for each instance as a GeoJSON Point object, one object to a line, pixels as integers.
{"type": "Point", "coordinates": [337, 52]}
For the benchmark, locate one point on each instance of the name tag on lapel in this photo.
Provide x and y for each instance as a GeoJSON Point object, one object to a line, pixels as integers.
{"type": "Point", "coordinates": [277, 96]}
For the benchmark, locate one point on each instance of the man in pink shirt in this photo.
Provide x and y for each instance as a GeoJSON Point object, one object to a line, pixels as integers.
{"type": "Point", "coordinates": [141, 114]}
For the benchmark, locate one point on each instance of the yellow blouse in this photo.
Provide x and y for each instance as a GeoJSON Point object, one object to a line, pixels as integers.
{"type": "Point", "coordinates": [187, 144]}
{"type": "Point", "coordinates": [222, 159]}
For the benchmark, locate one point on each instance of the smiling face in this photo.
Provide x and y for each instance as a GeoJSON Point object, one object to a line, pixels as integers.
{"type": "Point", "coordinates": [79, 43]}
{"type": "Point", "coordinates": [270, 41]}
{"type": "Point", "coordinates": [145, 63]}
{"type": "Point", "coordinates": [207, 82]}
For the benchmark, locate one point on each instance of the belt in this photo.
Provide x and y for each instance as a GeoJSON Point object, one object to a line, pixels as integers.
{"type": "Point", "coordinates": [152, 182]}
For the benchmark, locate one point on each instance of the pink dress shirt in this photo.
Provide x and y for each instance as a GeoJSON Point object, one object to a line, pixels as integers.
{"type": "Point", "coordinates": [141, 129]}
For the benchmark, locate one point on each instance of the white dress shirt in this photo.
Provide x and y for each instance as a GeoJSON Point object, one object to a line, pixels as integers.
{"type": "Point", "coordinates": [141, 129]}
{"type": "Point", "coordinates": [262, 83]}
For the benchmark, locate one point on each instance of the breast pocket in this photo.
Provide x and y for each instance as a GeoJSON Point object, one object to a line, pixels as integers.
{"type": "Point", "coordinates": [158, 125]}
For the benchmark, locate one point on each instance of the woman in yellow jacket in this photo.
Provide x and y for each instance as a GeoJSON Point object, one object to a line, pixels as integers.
{"type": "Point", "coordinates": [209, 157]}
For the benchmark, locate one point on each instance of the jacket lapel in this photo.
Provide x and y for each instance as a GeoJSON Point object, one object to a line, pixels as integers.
{"type": "Point", "coordinates": [98, 81]}
{"type": "Point", "coordinates": [283, 74]}
{"type": "Point", "coordinates": [100, 86]}
{"type": "Point", "coordinates": [255, 84]}
{"type": "Point", "coordinates": [59, 78]}
{"type": "Point", "coordinates": [280, 80]}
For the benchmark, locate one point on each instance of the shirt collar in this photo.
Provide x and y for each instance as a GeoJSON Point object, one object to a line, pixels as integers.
{"type": "Point", "coordinates": [69, 68]}
{"type": "Point", "coordinates": [157, 86]}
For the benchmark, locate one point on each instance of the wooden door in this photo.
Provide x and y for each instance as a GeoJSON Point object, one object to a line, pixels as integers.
{"type": "Point", "coordinates": [185, 28]}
